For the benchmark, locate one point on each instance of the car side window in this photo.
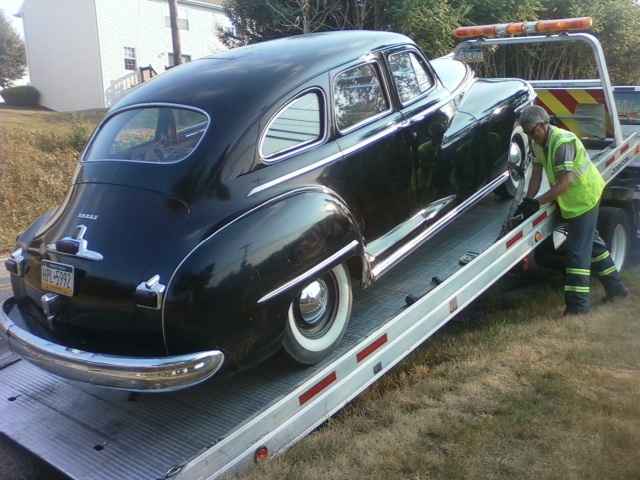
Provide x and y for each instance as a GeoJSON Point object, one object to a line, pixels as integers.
{"type": "Point", "coordinates": [298, 124]}
{"type": "Point", "coordinates": [410, 75]}
{"type": "Point", "coordinates": [359, 96]}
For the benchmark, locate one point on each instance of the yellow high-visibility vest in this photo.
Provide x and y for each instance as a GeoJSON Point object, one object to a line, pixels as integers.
{"type": "Point", "coordinates": [585, 191]}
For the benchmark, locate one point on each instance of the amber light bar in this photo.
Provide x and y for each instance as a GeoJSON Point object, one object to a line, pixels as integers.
{"type": "Point", "coordinates": [517, 28]}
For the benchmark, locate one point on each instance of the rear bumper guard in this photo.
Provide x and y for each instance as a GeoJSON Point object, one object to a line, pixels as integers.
{"type": "Point", "coordinates": [137, 374]}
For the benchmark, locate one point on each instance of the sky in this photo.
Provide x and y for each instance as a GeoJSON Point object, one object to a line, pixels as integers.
{"type": "Point", "coordinates": [10, 8]}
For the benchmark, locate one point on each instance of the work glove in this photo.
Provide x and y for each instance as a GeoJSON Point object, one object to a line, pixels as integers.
{"type": "Point", "coordinates": [527, 207]}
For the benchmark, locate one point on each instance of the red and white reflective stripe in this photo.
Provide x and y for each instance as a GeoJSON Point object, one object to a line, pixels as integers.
{"type": "Point", "coordinates": [372, 347]}
{"type": "Point", "coordinates": [331, 378]}
{"type": "Point", "coordinates": [615, 158]}
{"type": "Point", "coordinates": [317, 388]}
{"type": "Point", "coordinates": [512, 241]}
{"type": "Point", "coordinates": [539, 219]}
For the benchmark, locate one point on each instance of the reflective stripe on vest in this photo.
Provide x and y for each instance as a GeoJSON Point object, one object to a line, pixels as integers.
{"type": "Point", "coordinates": [585, 190]}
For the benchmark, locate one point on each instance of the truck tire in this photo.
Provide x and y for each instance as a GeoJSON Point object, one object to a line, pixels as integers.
{"type": "Point", "coordinates": [318, 317]}
{"type": "Point", "coordinates": [613, 227]}
{"type": "Point", "coordinates": [517, 156]}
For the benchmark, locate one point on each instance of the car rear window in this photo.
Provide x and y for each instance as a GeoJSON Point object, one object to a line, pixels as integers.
{"type": "Point", "coordinates": [149, 134]}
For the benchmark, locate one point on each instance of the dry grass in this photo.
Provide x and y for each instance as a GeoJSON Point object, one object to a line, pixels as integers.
{"type": "Point", "coordinates": [515, 393]}
{"type": "Point", "coordinates": [38, 154]}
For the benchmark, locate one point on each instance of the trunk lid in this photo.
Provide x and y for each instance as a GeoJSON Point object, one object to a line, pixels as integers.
{"type": "Point", "coordinates": [90, 257]}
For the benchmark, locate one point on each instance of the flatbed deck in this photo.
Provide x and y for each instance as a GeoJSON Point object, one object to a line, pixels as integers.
{"type": "Point", "coordinates": [93, 433]}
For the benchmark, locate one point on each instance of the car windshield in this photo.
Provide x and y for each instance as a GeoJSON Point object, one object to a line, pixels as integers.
{"type": "Point", "coordinates": [149, 134]}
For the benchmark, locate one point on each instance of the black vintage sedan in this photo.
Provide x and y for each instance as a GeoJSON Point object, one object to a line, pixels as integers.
{"type": "Point", "coordinates": [221, 210]}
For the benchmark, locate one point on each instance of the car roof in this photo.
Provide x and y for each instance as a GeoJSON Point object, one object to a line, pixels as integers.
{"type": "Point", "coordinates": [257, 75]}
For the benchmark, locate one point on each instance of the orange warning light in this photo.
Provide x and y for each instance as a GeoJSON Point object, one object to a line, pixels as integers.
{"type": "Point", "coordinates": [516, 28]}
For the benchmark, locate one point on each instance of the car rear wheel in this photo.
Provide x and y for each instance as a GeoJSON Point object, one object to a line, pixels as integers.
{"type": "Point", "coordinates": [318, 317]}
{"type": "Point", "coordinates": [517, 166]}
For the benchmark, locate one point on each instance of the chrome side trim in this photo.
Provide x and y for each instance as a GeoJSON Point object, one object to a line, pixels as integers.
{"type": "Point", "coordinates": [138, 374]}
{"type": "Point", "coordinates": [326, 161]}
{"type": "Point", "coordinates": [294, 174]}
{"type": "Point", "coordinates": [309, 274]}
{"type": "Point", "coordinates": [392, 128]}
{"type": "Point", "coordinates": [385, 265]}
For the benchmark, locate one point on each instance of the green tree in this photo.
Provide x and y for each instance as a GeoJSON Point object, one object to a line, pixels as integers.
{"type": "Point", "coordinates": [430, 23]}
{"type": "Point", "coordinates": [259, 21]}
{"type": "Point", "coordinates": [13, 58]}
{"type": "Point", "coordinates": [615, 24]}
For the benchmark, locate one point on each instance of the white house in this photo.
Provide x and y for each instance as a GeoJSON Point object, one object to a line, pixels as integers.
{"type": "Point", "coordinates": [85, 54]}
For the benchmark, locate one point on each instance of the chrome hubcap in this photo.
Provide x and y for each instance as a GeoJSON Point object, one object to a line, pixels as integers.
{"type": "Point", "coordinates": [515, 156]}
{"type": "Point", "coordinates": [313, 302]}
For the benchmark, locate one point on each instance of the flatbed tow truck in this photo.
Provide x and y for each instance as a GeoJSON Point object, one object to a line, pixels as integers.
{"type": "Point", "coordinates": [223, 426]}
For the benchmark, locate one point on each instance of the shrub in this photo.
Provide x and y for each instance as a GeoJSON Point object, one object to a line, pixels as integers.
{"type": "Point", "coordinates": [25, 96]}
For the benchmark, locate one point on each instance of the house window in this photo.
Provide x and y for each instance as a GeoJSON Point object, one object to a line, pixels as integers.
{"type": "Point", "coordinates": [228, 28]}
{"type": "Point", "coordinates": [183, 18]}
{"type": "Point", "coordinates": [185, 59]}
{"type": "Point", "coordinates": [130, 62]}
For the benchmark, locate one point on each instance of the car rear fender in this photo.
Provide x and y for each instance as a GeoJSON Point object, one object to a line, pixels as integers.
{"type": "Point", "coordinates": [233, 290]}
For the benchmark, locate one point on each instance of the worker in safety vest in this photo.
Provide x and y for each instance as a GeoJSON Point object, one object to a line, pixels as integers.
{"type": "Point", "coordinates": [576, 185]}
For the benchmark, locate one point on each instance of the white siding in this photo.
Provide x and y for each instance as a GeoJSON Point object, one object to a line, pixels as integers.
{"type": "Point", "coordinates": [75, 48]}
{"type": "Point", "coordinates": [63, 54]}
{"type": "Point", "coordinates": [140, 24]}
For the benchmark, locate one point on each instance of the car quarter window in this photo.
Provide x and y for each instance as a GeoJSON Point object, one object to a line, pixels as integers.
{"type": "Point", "coordinates": [296, 125]}
{"type": "Point", "coordinates": [358, 96]}
{"type": "Point", "coordinates": [148, 134]}
{"type": "Point", "coordinates": [410, 75]}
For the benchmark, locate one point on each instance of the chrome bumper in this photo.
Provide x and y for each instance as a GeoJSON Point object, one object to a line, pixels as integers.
{"type": "Point", "coordinates": [138, 374]}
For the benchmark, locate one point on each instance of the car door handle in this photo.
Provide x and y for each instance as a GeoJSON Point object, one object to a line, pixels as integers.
{"type": "Point", "coordinates": [417, 119]}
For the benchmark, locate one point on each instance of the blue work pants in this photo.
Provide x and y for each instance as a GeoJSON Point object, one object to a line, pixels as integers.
{"type": "Point", "coordinates": [586, 253]}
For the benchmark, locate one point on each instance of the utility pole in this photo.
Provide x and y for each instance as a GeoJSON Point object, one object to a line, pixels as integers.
{"type": "Point", "coordinates": [175, 32]}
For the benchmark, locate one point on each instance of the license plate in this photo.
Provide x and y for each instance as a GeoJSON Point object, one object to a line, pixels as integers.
{"type": "Point", "coordinates": [57, 277]}
{"type": "Point", "coordinates": [470, 55]}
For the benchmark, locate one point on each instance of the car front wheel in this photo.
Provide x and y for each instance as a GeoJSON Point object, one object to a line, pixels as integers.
{"type": "Point", "coordinates": [517, 166]}
{"type": "Point", "coordinates": [318, 317]}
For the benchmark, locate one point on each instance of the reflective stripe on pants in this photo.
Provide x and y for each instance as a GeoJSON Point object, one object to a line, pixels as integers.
{"type": "Point", "coordinates": [586, 252]}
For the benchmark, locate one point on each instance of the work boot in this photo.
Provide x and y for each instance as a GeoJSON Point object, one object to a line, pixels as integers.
{"type": "Point", "coordinates": [621, 291]}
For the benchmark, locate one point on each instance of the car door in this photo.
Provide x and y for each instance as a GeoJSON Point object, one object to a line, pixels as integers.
{"type": "Point", "coordinates": [428, 109]}
{"type": "Point", "coordinates": [377, 154]}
